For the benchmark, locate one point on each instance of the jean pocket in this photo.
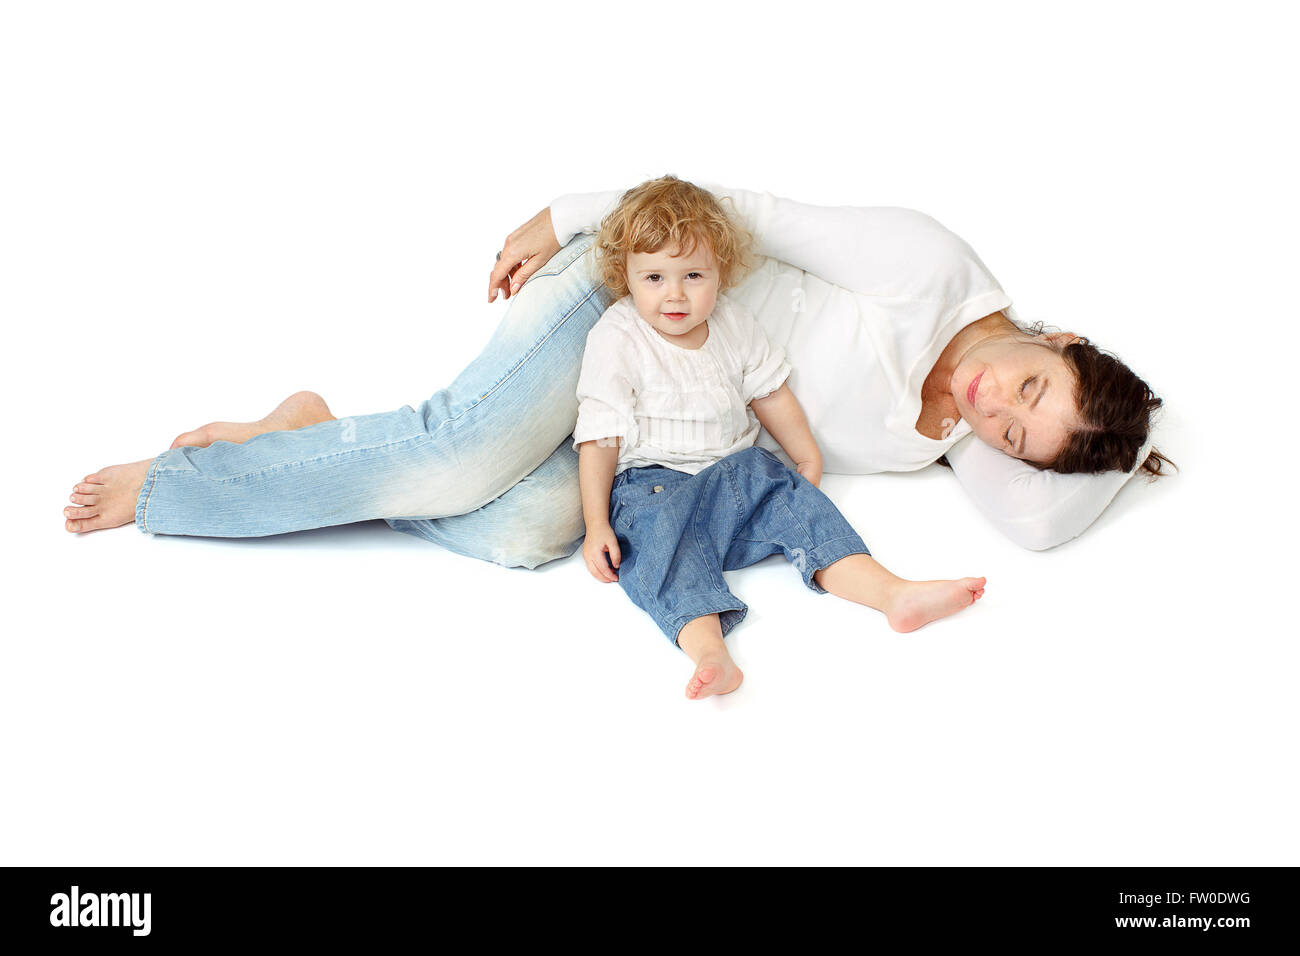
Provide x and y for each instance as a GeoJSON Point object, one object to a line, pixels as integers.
{"type": "Point", "coordinates": [634, 497]}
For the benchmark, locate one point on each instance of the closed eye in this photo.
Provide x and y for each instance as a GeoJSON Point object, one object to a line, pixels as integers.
{"type": "Point", "coordinates": [1006, 436]}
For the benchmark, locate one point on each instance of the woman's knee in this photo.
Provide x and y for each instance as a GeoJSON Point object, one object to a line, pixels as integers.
{"type": "Point", "coordinates": [523, 545]}
{"type": "Point", "coordinates": [540, 519]}
{"type": "Point", "coordinates": [536, 521]}
{"type": "Point", "coordinates": [530, 549]}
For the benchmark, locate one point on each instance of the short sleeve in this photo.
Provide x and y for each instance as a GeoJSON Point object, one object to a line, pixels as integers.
{"type": "Point", "coordinates": [766, 368]}
{"type": "Point", "coordinates": [607, 387]}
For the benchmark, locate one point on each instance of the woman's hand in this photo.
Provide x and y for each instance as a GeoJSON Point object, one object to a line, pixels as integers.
{"type": "Point", "coordinates": [526, 250]}
{"type": "Point", "coordinates": [599, 541]}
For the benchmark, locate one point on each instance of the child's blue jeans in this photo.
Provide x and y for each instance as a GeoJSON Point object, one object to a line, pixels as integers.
{"type": "Point", "coordinates": [678, 532]}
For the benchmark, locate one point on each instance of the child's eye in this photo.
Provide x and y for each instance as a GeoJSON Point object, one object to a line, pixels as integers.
{"type": "Point", "coordinates": [695, 275]}
{"type": "Point", "coordinates": [653, 277]}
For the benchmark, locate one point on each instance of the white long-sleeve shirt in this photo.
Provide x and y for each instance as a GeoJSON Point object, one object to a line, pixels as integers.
{"type": "Point", "coordinates": [681, 408]}
{"type": "Point", "coordinates": [863, 300]}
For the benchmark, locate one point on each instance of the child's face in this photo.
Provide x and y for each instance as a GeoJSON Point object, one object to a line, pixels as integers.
{"type": "Point", "coordinates": [674, 294]}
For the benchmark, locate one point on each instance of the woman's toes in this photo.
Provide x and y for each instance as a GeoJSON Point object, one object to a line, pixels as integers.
{"type": "Point", "coordinates": [93, 523]}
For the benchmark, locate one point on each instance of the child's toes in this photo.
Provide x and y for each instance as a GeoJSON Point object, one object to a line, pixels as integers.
{"type": "Point", "coordinates": [83, 499]}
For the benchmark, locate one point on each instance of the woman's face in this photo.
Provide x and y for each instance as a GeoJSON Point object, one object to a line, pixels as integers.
{"type": "Point", "coordinates": [1018, 396]}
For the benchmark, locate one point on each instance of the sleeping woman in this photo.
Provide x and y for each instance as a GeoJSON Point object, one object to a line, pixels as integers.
{"type": "Point", "coordinates": [905, 351]}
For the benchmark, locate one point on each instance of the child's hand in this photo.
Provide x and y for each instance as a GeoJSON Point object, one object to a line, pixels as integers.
{"type": "Point", "coordinates": [599, 541]}
{"type": "Point", "coordinates": [812, 471]}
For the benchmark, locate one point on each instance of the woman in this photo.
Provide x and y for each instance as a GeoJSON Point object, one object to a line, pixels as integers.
{"type": "Point", "coordinates": [904, 342]}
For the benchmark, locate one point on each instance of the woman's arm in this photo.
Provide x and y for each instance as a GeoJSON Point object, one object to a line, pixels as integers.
{"type": "Point", "coordinates": [876, 250]}
{"type": "Point", "coordinates": [1036, 509]}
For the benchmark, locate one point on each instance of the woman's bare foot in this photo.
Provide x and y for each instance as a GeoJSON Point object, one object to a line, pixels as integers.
{"type": "Point", "coordinates": [107, 498]}
{"type": "Point", "coordinates": [297, 411]}
{"type": "Point", "coordinates": [714, 674]}
{"type": "Point", "coordinates": [916, 603]}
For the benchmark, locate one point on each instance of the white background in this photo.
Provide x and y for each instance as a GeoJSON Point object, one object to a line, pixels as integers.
{"type": "Point", "coordinates": [206, 207]}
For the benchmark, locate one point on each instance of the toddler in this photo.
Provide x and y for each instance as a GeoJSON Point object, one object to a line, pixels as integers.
{"type": "Point", "coordinates": [675, 381]}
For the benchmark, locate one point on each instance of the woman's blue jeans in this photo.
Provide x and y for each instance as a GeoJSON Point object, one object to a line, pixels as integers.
{"type": "Point", "coordinates": [484, 467]}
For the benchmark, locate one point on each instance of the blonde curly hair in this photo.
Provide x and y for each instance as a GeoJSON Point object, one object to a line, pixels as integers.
{"type": "Point", "coordinates": [670, 211]}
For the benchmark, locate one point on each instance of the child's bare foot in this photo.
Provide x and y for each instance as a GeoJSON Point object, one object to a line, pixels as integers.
{"type": "Point", "coordinates": [715, 674]}
{"type": "Point", "coordinates": [917, 603]}
{"type": "Point", "coordinates": [107, 498]}
{"type": "Point", "coordinates": [297, 411]}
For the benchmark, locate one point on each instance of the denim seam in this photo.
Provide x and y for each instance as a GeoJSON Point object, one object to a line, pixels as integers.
{"type": "Point", "coordinates": [338, 457]}
{"type": "Point", "coordinates": [572, 260]}
{"type": "Point", "coordinates": [715, 574]}
{"type": "Point", "coordinates": [790, 511]}
{"type": "Point", "coordinates": [143, 505]}
{"type": "Point", "coordinates": [737, 497]}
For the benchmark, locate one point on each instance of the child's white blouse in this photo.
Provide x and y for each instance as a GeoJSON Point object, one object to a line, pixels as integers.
{"type": "Point", "coordinates": [681, 408]}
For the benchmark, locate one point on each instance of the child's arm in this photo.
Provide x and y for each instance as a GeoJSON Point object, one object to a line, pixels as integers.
{"type": "Point", "coordinates": [597, 460]}
{"type": "Point", "coordinates": [607, 390]}
{"type": "Point", "coordinates": [781, 415]}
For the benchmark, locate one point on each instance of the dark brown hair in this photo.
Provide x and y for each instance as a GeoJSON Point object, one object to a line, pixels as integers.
{"type": "Point", "coordinates": [1115, 408]}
